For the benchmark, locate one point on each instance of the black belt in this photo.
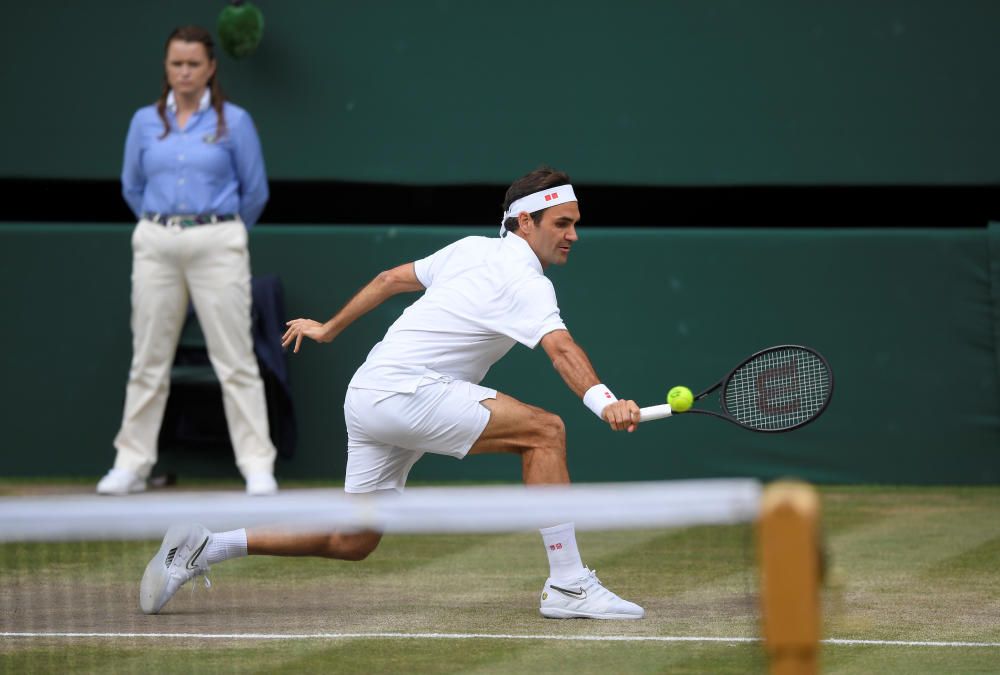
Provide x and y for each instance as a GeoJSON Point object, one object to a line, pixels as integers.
{"type": "Point", "coordinates": [189, 220]}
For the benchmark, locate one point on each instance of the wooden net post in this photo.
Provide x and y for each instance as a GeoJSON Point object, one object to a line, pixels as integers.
{"type": "Point", "coordinates": [788, 546]}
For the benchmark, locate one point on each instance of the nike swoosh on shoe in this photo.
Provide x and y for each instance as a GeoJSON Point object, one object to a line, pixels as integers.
{"type": "Point", "coordinates": [578, 594]}
{"type": "Point", "coordinates": [193, 560]}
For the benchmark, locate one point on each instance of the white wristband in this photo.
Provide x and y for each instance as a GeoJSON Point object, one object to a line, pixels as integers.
{"type": "Point", "coordinates": [597, 398]}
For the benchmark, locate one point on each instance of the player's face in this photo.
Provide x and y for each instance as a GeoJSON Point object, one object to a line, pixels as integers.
{"type": "Point", "coordinates": [552, 238]}
{"type": "Point", "coordinates": [188, 68]}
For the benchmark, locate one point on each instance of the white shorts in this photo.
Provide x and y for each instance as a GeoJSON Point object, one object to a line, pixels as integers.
{"type": "Point", "coordinates": [387, 432]}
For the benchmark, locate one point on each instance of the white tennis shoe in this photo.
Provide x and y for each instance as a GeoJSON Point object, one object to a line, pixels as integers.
{"type": "Point", "coordinates": [121, 482]}
{"type": "Point", "coordinates": [261, 485]}
{"type": "Point", "coordinates": [181, 558]}
{"type": "Point", "coordinates": [585, 598]}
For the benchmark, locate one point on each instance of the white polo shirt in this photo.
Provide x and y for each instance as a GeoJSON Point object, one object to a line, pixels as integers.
{"type": "Point", "coordinates": [483, 295]}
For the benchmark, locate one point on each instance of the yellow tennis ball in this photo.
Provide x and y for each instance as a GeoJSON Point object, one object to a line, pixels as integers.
{"type": "Point", "coordinates": [680, 399]}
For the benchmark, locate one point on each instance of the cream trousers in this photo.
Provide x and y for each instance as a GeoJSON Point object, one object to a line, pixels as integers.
{"type": "Point", "coordinates": [212, 264]}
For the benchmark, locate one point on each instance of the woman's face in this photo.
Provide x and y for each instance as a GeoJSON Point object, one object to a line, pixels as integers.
{"type": "Point", "coordinates": [188, 68]}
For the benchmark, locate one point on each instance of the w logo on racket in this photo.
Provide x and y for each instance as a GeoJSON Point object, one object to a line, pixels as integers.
{"type": "Point", "coordinates": [777, 389]}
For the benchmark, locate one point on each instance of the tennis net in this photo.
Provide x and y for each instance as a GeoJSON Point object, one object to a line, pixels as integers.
{"type": "Point", "coordinates": [460, 569]}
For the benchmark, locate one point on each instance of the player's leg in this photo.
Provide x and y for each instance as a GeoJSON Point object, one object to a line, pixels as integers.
{"type": "Point", "coordinates": [572, 590]}
{"type": "Point", "coordinates": [187, 551]}
{"type": "Point", "coordinates": [537, 435]}
{"type": "Point", "coordinates": [337, 545]}
{"type": "Point", "coordinates": [375, 470]}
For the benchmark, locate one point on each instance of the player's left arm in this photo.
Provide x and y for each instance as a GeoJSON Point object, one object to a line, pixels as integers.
{"type": "Point", "coordinates": [574, 366]}
{"type": "Point", "coordinates": [401, 279]}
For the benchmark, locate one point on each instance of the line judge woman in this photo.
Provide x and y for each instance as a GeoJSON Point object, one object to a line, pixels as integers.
{"type": "Point", "coordinates": [194, 176]}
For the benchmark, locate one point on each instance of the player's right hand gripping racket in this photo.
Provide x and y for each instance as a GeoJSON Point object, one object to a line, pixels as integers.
{"type": "Point", "coordinates": [777, 389]}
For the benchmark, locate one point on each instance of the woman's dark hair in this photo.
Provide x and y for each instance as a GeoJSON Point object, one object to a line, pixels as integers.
{"type": "Point", "coordinates": [194, 34]}
{"type": "Point", "coordinates": [540, 179]}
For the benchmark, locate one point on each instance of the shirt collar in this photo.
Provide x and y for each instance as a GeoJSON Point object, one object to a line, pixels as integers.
{"type": "Point", "coordinates": [523, 250]}
{"type": "Point", "coordinates": [203, 104]}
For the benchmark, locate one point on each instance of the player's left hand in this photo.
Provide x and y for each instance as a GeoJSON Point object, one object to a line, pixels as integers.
{"type": "Point", "coordinates": [300, 328]}
{"type": "Point", "coordinates": [622, 415]}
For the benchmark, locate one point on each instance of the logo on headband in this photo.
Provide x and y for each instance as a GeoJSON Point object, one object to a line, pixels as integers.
{"type": "Point", "coordinates": [551, 196]}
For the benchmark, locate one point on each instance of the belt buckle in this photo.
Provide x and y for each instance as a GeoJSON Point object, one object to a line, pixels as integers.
{"type": "Point", "coordinates": [180, 222]}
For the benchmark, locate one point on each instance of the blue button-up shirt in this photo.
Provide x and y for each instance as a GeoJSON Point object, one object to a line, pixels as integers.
{"type": "Point", "coordinates": [190, 171]}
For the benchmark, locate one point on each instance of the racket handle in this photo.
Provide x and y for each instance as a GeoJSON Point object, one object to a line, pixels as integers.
{"type": "Point", "coordinates": [655, 412]}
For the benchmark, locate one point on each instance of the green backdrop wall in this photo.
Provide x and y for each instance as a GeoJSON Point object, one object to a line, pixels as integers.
{"type": "Point", "coordinates": [722, 92]}
{"type": "Point", "coordinates": [909, 319]}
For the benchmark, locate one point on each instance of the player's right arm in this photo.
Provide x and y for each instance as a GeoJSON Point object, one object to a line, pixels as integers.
{"type": "Point", "coordinates": [573, 365]}
{"type": "Point", "coordinates": [402, 279]}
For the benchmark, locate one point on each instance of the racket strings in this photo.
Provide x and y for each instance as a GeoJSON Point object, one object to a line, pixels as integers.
{"type": "Point", "coordinates": [779, 389]}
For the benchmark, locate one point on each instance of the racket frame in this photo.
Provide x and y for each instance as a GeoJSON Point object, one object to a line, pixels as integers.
{"type": "Point", "coordinates": [660, 411]}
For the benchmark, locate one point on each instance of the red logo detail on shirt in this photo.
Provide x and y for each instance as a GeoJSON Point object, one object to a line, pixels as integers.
{"type": "Point", "coordinates": [550, 197]}
{"type": "Point", "coordinates": [555, 547]}
{"type": "Point", "coordinates": [607, 394]}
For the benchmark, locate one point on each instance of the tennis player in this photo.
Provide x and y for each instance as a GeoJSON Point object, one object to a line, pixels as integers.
{"type": "Point", "coordinates": [418, 392]}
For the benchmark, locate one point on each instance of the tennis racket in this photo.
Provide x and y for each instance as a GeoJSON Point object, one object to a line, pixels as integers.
{"type": "Point", "coordinates": [777, 389]}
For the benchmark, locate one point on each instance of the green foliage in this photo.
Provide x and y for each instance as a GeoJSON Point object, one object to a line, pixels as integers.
{"type": "Point", "coordinates": [240, 27]}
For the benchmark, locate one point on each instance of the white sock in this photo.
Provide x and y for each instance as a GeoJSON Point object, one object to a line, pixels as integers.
{"type": "Point", "coordinates": [564, 556]}
{"type": "Point", "coordinates": [226, 545]}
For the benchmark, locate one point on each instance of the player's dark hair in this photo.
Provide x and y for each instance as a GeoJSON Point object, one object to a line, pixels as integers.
{"type": "Point", "coordinates": [194, 34]}
{"type": "Point", "coordinates": [541, 178]}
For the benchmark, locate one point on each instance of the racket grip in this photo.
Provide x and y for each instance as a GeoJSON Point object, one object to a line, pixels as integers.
{"type": "Point", "coordinates": [655, 412]}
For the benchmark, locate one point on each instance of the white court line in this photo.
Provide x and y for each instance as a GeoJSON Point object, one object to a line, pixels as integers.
{"type": "Point", "coordinates": [909, 643]}
{"type": "Point", "coordinates": [484, 636]}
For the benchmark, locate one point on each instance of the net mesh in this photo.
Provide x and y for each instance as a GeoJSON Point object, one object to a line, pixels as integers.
{"type": "Point", "coordinates": [456, 563]}
{"type": "Point", "coordinates": [779, 389]}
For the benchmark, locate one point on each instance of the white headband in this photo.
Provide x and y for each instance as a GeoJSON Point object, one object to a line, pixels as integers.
{"type": "Point", "coordinates": [538, 201]}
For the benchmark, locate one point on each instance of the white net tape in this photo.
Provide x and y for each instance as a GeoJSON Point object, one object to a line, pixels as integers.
{"type": "Point", "coordinates": [596, 506]}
